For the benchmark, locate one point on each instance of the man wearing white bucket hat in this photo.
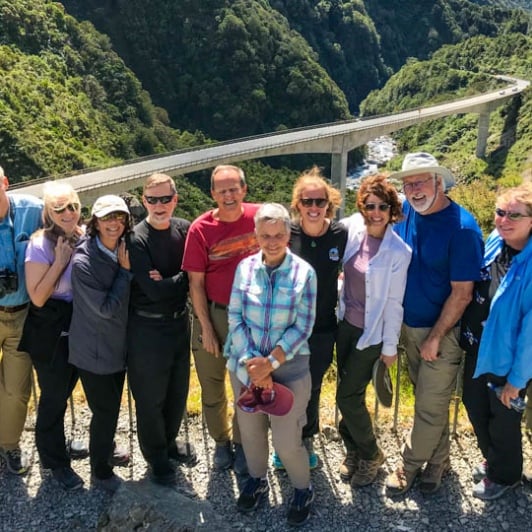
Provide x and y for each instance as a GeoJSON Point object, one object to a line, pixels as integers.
{"type": "Point", "coordinates": [447, 253]}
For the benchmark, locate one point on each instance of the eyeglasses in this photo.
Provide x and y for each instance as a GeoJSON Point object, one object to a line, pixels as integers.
{"type": "Point", "coordinates": [319, 202]}
{"type": "Point", "coordinates": [513, 216]}
{"type": "Point", "coordinates": [72, 207]}
{"type": "Point", "coordinates": [383, 207]}
{"type": "Point", "coordinates": [153, 200]}
{"type": "Point", "coordinates": [119, 216]}
{"type": "Point", "coordinates": [409, 187]}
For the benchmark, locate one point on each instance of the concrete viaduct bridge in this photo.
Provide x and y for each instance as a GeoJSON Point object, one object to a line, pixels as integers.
{"type": "Point", "coordinates": [337, 139]}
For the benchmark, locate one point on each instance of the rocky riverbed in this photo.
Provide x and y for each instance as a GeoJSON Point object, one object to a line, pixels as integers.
{"type": "Point", "coordinates": [35, 503]}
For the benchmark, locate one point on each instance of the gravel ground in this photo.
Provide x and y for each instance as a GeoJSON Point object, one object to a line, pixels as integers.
{"type": "Point", "coordinates": [35, 502]}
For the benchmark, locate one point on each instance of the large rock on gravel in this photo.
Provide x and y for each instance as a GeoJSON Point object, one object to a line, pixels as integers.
{"type": "Point", "coordinates": [144, 505]}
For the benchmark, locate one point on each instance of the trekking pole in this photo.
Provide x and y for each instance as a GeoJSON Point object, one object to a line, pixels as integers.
{"type": "Point", "coordinates": [397, 390]}
{"type": "Point", "coordinates": [458, 394]}
{"type": "Point", "coordinates": [130, 414]}
{"type": "Point", "coordinates": [72, 417]}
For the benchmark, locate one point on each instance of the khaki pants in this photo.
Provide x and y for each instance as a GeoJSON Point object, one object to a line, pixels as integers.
{"type": "Point", "coordinates": [286, 435]}
{"type": "Point", "coordinates": [211, 373]}
{"type": "Point", "coordinates": [15, 380]}
{"type": "Point", "coordinates": [434, 383]}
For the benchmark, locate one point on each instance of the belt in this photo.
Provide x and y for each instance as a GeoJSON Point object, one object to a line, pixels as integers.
{"type": "Point", "coordinates": [219, 306]}
{"type": "Point", "coordinates": [10, 310]}
{"type": "Point", "coordinates": [160, 316]}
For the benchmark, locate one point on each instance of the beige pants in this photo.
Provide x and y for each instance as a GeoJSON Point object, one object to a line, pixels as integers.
{"type": "Point", "coordinates": [434, 383]}
{"type": "Point", "coordinates": [15, 380]}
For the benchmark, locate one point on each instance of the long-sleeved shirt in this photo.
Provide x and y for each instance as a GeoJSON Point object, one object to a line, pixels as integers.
{"type": "Point", "coordinates": [269, 310]}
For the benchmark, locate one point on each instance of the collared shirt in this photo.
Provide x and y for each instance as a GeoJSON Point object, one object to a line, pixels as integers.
{"type": "Point", "coordinates": [269, 310]}
{"type": "Point", "coordinates": [22, 219]}
{"type": "Point", "coordinates": [505, 347]}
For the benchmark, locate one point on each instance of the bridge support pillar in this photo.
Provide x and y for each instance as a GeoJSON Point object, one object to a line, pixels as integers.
{"type": "Point", "coordinates": [339, 175]}
{"type": "Point", "coordinates": [483, 132]}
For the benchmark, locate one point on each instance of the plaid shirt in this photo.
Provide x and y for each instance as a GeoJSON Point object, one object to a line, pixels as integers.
{"type": "Point", "coordinates": [268, 311]}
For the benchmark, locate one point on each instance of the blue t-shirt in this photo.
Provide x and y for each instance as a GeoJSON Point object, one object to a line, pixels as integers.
{"type": "Point", "coordinates": [446, 246]}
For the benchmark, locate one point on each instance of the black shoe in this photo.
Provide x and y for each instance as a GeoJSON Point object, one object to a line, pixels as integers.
{"type": "Point", "coordinates": [240, 465]}
{"type": "Point", "coordinates": [164, 474]}
{"type": "Point", "coordinates": [16, 462]}
{"type": "Point", "coordinates": [67, 478]}
{"type": "Point", "coordinates": [110, 485]}
{"type": "Point", "coordinates": [77, 449]}
{"type": "Point", "coordinates": [253, 492]}
{"type": "Point", "coordinates": [120, 456]}
{"type": "Point", "coordinates": [223, 456]}
{"type": "Point", "coordinates": [299, 510]}
{"type": "Point", "coordinates": [183, 453]}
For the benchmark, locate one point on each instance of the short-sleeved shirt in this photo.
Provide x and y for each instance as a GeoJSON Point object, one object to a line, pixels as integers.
{"type": "Point", "coordinates": [215, 248]}
{"type": "Point", "coordinates": [446, 246]}
{"type": "Point", "coordinates": [41, 250]}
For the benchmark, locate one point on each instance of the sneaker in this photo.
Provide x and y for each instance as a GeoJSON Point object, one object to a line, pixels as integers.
{"type": "Point", "coordinates": [299, 510]}
{"type": "Point", "coordinates": [110, 485]}
{"type": "Point", "coordinates": [488, 490]}
{"type": "Point", "coordinates": [67, 478]}
{"type": "Point", "coordinates": [277, 462]}
{"type": "Point", "coordinates": [240, 466]}
{"type": "Point", "coordinates": [16, 462]}
{"type": "Point", "coordinates": [348, 466]}
{"type": "Point", "coordinates": [480, 471]}
{"type": "Point", "coordinates": [252, 494]}
{"type": "Point", "coordinates": [120, 456]}
{"type": "Point", "coordinates": [312, 456]}
{"type": "Point", "coordinates": [77, 449]}
{"type": "Point", "coordinates": [223, 457]}
{"type": "Point", "coordinates": [400, 481]}
{"type": "Point", "coordinates": [367, 470]}
{"type": "Point", "coordinates": [183, 453]}
{"type": "Point", "coordinates": [164, 474]}
{"type": "Point", "coordinates": [430, 480]}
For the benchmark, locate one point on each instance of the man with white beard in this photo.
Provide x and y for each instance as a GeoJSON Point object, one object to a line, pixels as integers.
{"type": "Point", "coordinates": [447, 252]}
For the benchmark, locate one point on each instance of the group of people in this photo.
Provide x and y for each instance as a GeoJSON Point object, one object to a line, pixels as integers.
{"type": "Point", "coordinates": [269, 308]}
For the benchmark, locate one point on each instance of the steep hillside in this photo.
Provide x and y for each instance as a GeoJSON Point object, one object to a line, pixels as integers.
{"type": "Point", "coordinates": [228, 68]}
{"type": "Point", "coordinates": [67, 101]}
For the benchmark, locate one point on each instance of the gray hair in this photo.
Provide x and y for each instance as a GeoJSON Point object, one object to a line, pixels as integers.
{"type": "Point", "coordinates": [272, 213]}
{"type": "Point", "coordinates": [237, 169]}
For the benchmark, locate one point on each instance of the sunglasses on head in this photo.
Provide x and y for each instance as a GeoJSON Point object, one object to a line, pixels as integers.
{"type": "Point", "coordinates": [514, 216]}
{"type": "Point", "coordinates": [383, 207]}
{"type": "Point", "coordinates": [120, 216]}
{"type": "Point", "coordinates": [72, 207]}
{"type": "Point", "coordinates": [153, 200]}
{"type": "Point", "coordinates": [319, 202]}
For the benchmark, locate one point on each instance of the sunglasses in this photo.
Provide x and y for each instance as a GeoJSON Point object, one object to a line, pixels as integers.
{"type": "Point", "coordinates": [383, 207]}
{"type": "Point", "coordinates": [72, 207]}
{"type": "Point", "coordinates": [153, 200]}
{"type": "Point", "coordinates": [319, 202]}
{"type": "Point", "coordinates": [513, 216]}
{"type": "Point", "coordinates": [119, 216]}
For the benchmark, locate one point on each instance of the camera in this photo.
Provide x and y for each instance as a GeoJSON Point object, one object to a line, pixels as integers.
{"type": "Point", "coordinates": [8, 282]}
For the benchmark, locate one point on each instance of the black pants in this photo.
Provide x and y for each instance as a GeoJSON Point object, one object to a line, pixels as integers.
{"type": "Point", "coordinates": [321, 354]}
{"type": "Point", "coordinates": [159, 373]}
{"type": "Point", "coordinates": [57, 378]}
{"type": "Point", "coordinates": [104, 394]}
{"type": "Point", "coordinates": [497, 428]}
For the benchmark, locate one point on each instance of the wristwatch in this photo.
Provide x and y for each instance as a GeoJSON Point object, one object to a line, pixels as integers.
{"type": "Point", "coordinates": [274, 362]}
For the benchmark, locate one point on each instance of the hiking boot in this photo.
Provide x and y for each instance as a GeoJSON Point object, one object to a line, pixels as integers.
{"type": "Point", "coordinates": [16, 462]}
{"type": "Point", "coordinates": [276, 462]}
{"type": "Point", "coordinates": [77, 449]}
{"type": "Point", "coordinates": [252, 494]}
{"type": "Point", "coordinates": [430, 480]}
{"type": "Point", "coordinates": [223, 456]}
{"type": "Point", "coordinates": [366, 471]}
{"type": "Point", "coordinates": [400, 481]}
{"type": "Point", "coordinates": [312, 456]}
{"type": "Point", "coordinates": [240, 466]}
{"type": "Point", "coordinates": [183, 453]}
{"type": "Point", "coordinates": [480, 471]}
{"type": "Point", "coordinates": [348, 466]}
{"type": "Point", "coordinates": [110, 485]}
{"type": "Point", "coordinates": [67, 478]}
{"type": "Point", "coordinates": [299, 510]}
{"type": "Point", "coordinates": [487, 490]}
{"type": "Point", "coordinates": [120, 456]}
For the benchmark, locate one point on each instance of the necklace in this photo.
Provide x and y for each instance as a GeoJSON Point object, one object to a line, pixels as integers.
{"type": "Point", "coordinates": [318, 234]}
